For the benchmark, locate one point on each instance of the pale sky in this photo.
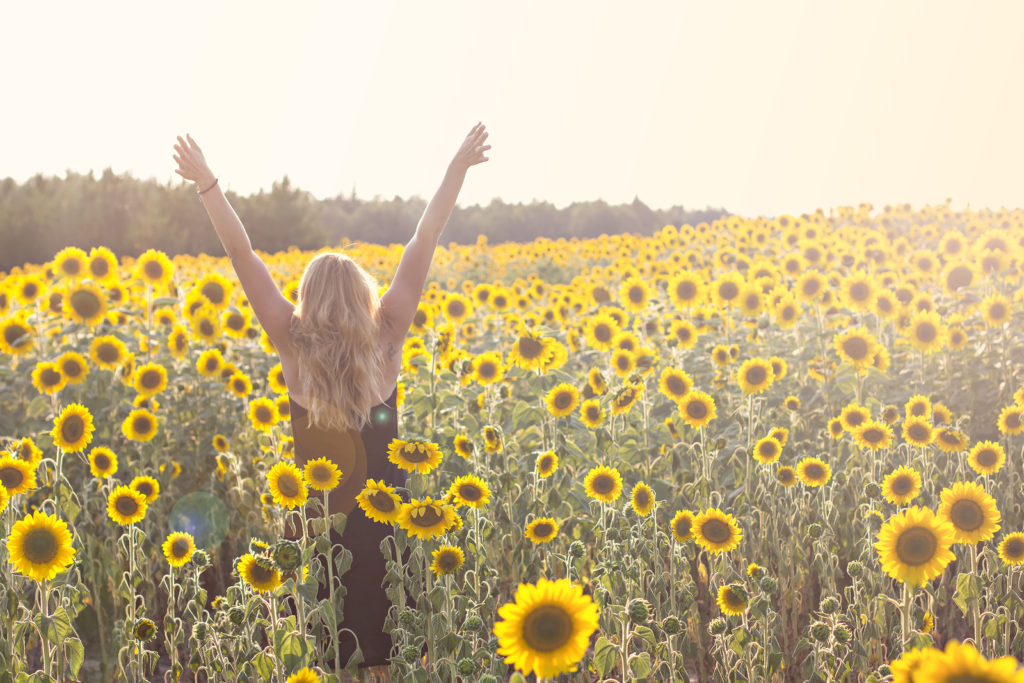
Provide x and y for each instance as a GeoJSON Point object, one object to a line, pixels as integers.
{"type": "Point", "coordinates": [762, 107]}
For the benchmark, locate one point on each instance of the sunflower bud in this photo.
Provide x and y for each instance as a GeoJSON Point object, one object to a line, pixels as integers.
{"type": "Point", "coordinates": [407, 618]}
{"type": "Point", "coordinates": [854, 568]}
{"type": "Point", "coordinates": [884, 671]}
{"type": "Point", "coordinates": [830, 605]}
{"type": "Point", "coordinates": [201, 629]}
{"type": "Point", "coordinates": [577, 549]}
{"type": "Point", "coordinates": [815, 530]}
{"type": "Point", "coordinates": [219, 602]}
{"type": "Point", "coordinates": [671, 625]}
{"type": "Point", "coordinates": [473, 623]}
{"type": "Point", "coordinates": [466, 666]}
{"type": "Point", "coordinates": [768, 584]}
{"type": "Point", "coordinates": [841, 633]}
{"type": "Point", "coordinates": [872, 490]}
{"type": "Point", "coordinates": [236, 615]}
{"type": "Point", "coordinates": [144, 630]}
{"type": "Point", "coordinates": [287, 555]}
{"type": "Point", "coordinates": [201, 559]}
{"type": "Point", "coordinates": [820, 631]}
{"type": "Point", "coordinates": [639, 611]}
{"type": "Point", "coordinates": [488, 678]}
{"type": "Point", "coordinates": [717, 626]}
{"type": "Point", "coordinates": [410, 653]}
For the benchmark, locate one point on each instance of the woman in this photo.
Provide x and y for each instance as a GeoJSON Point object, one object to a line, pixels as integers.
{"type": "Point", "coordinates": [341, 353]}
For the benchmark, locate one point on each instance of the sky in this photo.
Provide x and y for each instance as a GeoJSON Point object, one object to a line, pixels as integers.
{"type": "Point", "coordinates": [761, 108]}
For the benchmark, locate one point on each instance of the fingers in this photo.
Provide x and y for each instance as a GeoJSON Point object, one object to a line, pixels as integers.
{"type": "Point", "coordinates": [193, 142]}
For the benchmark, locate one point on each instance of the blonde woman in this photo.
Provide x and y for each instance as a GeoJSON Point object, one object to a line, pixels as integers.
{"type": "Point", "coordinates": [341, 353]}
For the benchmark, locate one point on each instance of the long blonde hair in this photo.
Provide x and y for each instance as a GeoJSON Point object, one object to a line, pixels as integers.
{"type": "Point", "coordinates": [334, 329]}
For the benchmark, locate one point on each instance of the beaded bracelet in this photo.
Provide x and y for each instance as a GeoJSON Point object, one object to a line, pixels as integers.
{"type": "Point", "coordinates": [209, 188]}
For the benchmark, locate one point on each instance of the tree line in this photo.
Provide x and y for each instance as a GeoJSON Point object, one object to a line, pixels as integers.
{"type": "Point", "coordinates": [129, 215]}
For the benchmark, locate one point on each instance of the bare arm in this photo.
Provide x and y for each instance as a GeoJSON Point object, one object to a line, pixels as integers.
{"type": "Point", "coordinates": [272, 309]}
{"type": "Point", "coordinates": [398, 305]}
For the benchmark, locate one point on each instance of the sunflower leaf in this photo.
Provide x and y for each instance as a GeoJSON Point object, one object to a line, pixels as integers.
{"type": "Point", "coordinates": [604, 656]}
{"type": "Point", "coordinates": [968, 588]}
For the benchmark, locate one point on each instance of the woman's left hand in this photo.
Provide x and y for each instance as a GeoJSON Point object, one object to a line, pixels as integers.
{"type": "Point", "coordinates": [191, 162]}
{"type": "Point", "coordinates": [472, 150]}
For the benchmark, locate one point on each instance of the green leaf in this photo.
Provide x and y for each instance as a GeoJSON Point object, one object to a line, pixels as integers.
{"type": "Point", "coordinates": [264, 665]}
{"type": "Point", "coordinates": [56, 628]}
{"type": "Point", "coordinates": [968, 588]}
{"type": "Point", "coordinates": [36, 408]}
{"type": "Point", "coordinates": [646, 635]}
{"type": "Point", "coordinates": [289, 647]}
{"type": "Point", "coordinates": [640, 665]}
{"type": "Point", "coordinates": [74, 655]}
{"type": "Point", "coordinates": [604, 656]}
{"type": "Point", "coordinates": [339, 520]}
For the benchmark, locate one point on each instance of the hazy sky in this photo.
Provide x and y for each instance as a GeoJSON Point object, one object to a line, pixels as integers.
{"type": "Point", "coordinates": [759, 107]}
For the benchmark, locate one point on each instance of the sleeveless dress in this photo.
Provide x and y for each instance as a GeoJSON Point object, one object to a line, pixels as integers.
{"type": "Point", "coordinates": [360, 456]}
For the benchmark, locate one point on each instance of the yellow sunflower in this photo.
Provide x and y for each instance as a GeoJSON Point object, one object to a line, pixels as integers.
{"type": "Point", "coordinates": [901, 485]}
{"type": "Point", "coordinates": [70, 262]}
{"type": "Point", "coordinates": [600, 329]}
{"type": "Point", "coordinates": [697, 409]}
{"type": "Point", "coordinates": [951, 440]}
{"type": "Point", "coordinates": [873, 435]}
{"type": "Point", "coordinates": [642, 499]}
{"type": "Point", "coordinates": [755, 375]}
{"type": "Point", "coordinates": [857, 347]}
{"type": "Point", "coordinates": [25, 449]}
{"type": "Point", "coordinates": [786, 476]}
{"type": "Point", "coordinates": [73, 366]}
{"type": "Point", "coordinates": [1011, 549]}
{"type": "Point", "coordinates": [154, 268]}
{"type": "Point", "coordinates": [147, 486]}
{"type": "Point", "coordinates": [414, 455]}
{"type": "Point", "coordinates": [813, 472]}
{"type": "Point", "coordinates": [241, 386]}
{"type": "Point", "coordinates": [547, 463]}
{"type": "Point", "coordinates": [209, 363]}
{"type": "Point", "coordinates": [108, 352]}
{"type": "Point", "coordinates": [926, 331]}
{"type": "Point", "coordinates": [682, 526]}
{"type": "Point", "coordinates": [962, 663]}
{"type": "Point", "coordinates": [39, 546]}
{"type": "Point", "coordinates": [603, 483]}
{"type": "Point", "coordinates": [914, 546]}
{"type": "Point", "coordinates": [683, 333]}
{"type": "Point", "coordinates": [47, 378]}
{"type": "Point", "coordinates": [716, 531]}
{"type": "Point", "coordinates": [1011, 420]}
{"type": "Point", "coordinates": [126, 506]}
{"type": "Point", "coordinates": [263, 414]}
{"type": "Point", "coordinates": [732, 600]}
{"type": "Point", "coordinates": [971, 511]}
{"type": "Point", "coordinates": [986, 457]}
{"type": "Point", "coordinates": [547, 627]}
{"type": "Point", "coordinates": [426, 518]}
{"type": "Point", "coordinates": [995, 309]}
{"type": "Point", "coordinates": [85, 303]}
{"type": "Point", "coordinates": [591, 413]}
{"type": "Point", "coordinates": [767, 450]}
{"type": "Point", "coordinates": [286, 485]}
{"type": "Point", "coordinates": [470, 491]}
{"type": "Point", "coordinates": [220, 443]}
{"type": "Point", "coordinates": [140, 425]}
{"type": "Point", "coordinates": [16, 475]}
{"type": "Point", "coordinates": [447, 560]}
{"type": "Point", "coordinates": [259, 573]}
{"type": "Point", "coordinates": [463, 446]}
{"type": "Point", "coordinates": [686, 289]}
{"type": "Point", "coordinates": [675, 384]}
{"type": "Point", "coordinates": [918, 431]}
{"type": "Point", "coordinates": [150, 379]}
{"type": "Point", "coordinates": [73, 428]}
{"type": "Point", "coordinates": [562, 399]}
{"type": "Point", "coordinates": [853, 416]}
{"type": "Point", "coordinates": [17, 337]}
{"type": "Point", "coordinates": [178, 548]}
{"type": "Point", "coordinates": [380, 502]}
{"type": "Point", "coordinates": [542, 530]}
{"type": "Point", "coordinates": [321, 474]}
{"type": "Point", "coordinates": [623, 362]}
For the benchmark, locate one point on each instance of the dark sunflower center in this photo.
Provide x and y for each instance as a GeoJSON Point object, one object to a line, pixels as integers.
{"type": "Point", "coordinates": [14, 332]}
{"type": "Point", "coordinates": [214, 292]}
{"type": "Point", "coordinates": [637, 295]}
{"type": "Point", "coordinates": [855, 418]}
{"type": "Point", "coordinates": [40, 546]}
{"type": "Point", "coordinates": [732, 600]}
{"type": "Point", "coordinates": [142, 424]}
{"type": "Point", "coordinates": [487, 370]}
{"type": "Point", "coordinates": [11, 477]}
{"type": "Point", "coordinates": [683, 527]}
{"type": "Point", "coordinates": [151, 379]}
{"type": "Point", "coordinates": [542, 530]}
{"type": "Point", "coordinates": [814, 471]}
{"type": "Point", "coordinates": [563, 400]}
{"type": "Point", "coordinates": [860, 291]}
{"type": "Point", "coordinates": [30, 290]}
{"type": "Point", "coordinates": [642, 498]}
{"type": "Point", "coordinates": [321, 474]}
{"type": "Point", "coordinates": [236, 321]}
{"type": "Point", "coordinates": [71, 266]}
{"type": "Point", "coordinates": [288, 485]}
{"type": "Point", "coordinates": [419, 319]}
{"type": "Point", "coordinates": [997, 311]}
{"type": "Point", "coordinates": [1014, 548]}
{"type": "Point", "coordinates": [50, 377]}
{"type": "Point", "coordinates": [916, 546]}
{"type": "Point", "coordinates": [428, 516]}
{"type": "Point", "coordinates": [547, 628]}
{"type": "Point", "coordinates": [902, 485]}
{"type": "Point", "coordinates": [873, 435]}
{"type": "Point", "coordinates": [696, 410]}
{"type": "Point", "coordinates": [85, 303]}
{"type": "Point", "coordinates": [206, 327]}
{"type": "Point", "coordinates": [72, 428]}
{"type": "Point", "coordinates": [179, 548]}
{"type": "Point", "coordinates": [686, 290]}
{"type": "Point", "coordinates": [716, 531]}
{"type": "Point", "coordinates": [683, 334]}
{"type": "Point", "coordinates": [71, 368]}
{"type": "Point", "coordinates": [623, 361]}
{"type": "Point", "coordinates": [99, 267]}
{"type": "Point", "coordinates": [811, 287]}
{"type": "Point", "coordinates": [756, 375]}
{"type": "Point", "coordinates": [260, 574]}
{"type": "Point", "coordinates": [102, 461]}
{"type": "Point", "coordinates": [603, 483]}
{"type": "Point", "coordinates": [728, 291]}
{"type": "Point", "coordinates": [1013, 420]}
{"type": "Point", "coordinates": [154, 270]}
{"type": "Point", "coordinates": [238, 385]}
{"type": "Point", "coordinates": [768, 449]}
{"type": "Point", "coordinates": [987, 457]}
{"type": "Point", "coordinates": [966, 515]}
{"type": "Point", "coordinates": [411, 453]}
{"type": "Point", "coordinates": [448, 561]}
{"type": "Point", "coordinates": [212, 364]}
{"type": "Point", "coordinates": [529, 348]}
{"type": "Point", "coordinates": [382, 501]}
{"type": "Point", "coordinates": [676, 385]}
{"type": "Point", "coordinates": [856, 347]}
{"type": "Point", "coordinates": [786, 475]}
{"type": "Point", "coordinates": [263, 414]}
{"type": "Point", "coordinates": [145, 488]}
{"type": "Point", "coordinates": [471, 492]}
{"type": "Point", "coordinates": [926, 331]}
{"type": "Point", "coordinates": [752, 301]}
{"type": "Point", "coordinates": [602, 332]}
{"type": "Point", "coordinates": [108, 353]}
{"type": "Point", "coordinates": [126, 506]}
{"type": "Point", "coordinates": [959, 277]}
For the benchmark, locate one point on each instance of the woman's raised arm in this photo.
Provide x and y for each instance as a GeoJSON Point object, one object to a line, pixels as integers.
{"type": "Point", "coordinates": [272, 309]}
{"type": "Point", "coordinates": [398, 305]}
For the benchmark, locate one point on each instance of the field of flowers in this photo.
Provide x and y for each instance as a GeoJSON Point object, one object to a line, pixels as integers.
{"type": "Point", "coordinates": [761, 450]}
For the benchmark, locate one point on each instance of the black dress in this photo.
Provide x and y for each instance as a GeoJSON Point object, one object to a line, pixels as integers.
{"type": "Point", "coordinates": [360, 456]}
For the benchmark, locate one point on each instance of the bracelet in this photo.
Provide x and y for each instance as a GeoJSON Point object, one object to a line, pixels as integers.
{"type": "Point", "coordinates": [209, 188]}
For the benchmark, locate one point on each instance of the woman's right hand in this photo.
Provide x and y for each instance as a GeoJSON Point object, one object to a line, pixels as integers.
{"type": "Point", "coordinates": [191, 162]}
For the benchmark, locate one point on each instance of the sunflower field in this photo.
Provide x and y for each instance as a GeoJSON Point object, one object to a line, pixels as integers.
{"type": "Point", "coordinates": [761, 449]}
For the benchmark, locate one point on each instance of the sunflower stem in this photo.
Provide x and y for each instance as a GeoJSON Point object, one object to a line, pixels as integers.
{"type": "Point", "coordinates": [43, 639]}
{"type": "Point", "coordinates": [330, 586]}
{"type": "Point", "coordinates": [975, 607]}
{"type": "Point", "coordinates": [905, 615]}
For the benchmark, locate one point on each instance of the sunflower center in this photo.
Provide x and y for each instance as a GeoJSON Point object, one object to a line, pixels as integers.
{"type": "Point", "coordinates": [428, 516]}
{"type": "Point", "coordinates": [811, 287]}
{"type": "Point", "coordinates": [142, 424]}
{"type": "Point", "coordinates": [288, 485]}
{"type": "Point", "coordinates": [543, 529]}
{"type": "Point", "coordinates": [686, 290]}
{"type": "Point", "coordinates": [71, 368]}
{"type": "Point", "coordinates": [966, 515]}
{"type": "Point", "coordinates": [916, 546]}
{"type": "Point", "coordinates": [126, 506]}
{"type": "Point", "coordinates": [145, 488]}
{"type": "Point", "coordinates": [263, 414]}
{"type": "Point", "coordinates": [716, 531]}
{"type": "Point", "coordinates": [859, 291]}
{"type": "Point", "coordinates": [320, 473]}
{"type": "Point", "coordinates": [11, 477]}
{"type": "Point", "coordinates": [412, 453]}
{"type": "Point", "coordinates": [637, 295]}
{"type": "Point", "coordinates": [260, 574]}
{"type": "Point", "coordinates": [728, 291]}
{"type": "Point", "coordinates": [786, 475]}
{"type": "Point", "coordinates": [102, 461]}
{"type": "Point", "coordinates": [40, 546]}
{"type": "Point", "coordinates": [873, 435]}
{"type": "Point", "coordinates": [756, 375]}
{"type": "Point", "coordinates": [642, 498]}
{"type": "Point", "coordinates": [987, 457]}
{"type": "Point", "coordinates": [236, 321]}
{"type": "Point", "coordinates": [767, 449]}
{"type": "Point", "coordinates": [99, 267]}
{"type": "Point", "coordinates": [1014, 548]}
{"type": "Point", "coordinates": [179, 548]}
{"type": "Point", "coordinates": [676, 385]}
{"type": "Point", "coordinates": [487, 370]}
{"type": "Point", "coordinates": [997, 311]}
{"type": "Point", "coordinates": [154, 270]}
{"type": "Point", "coordinates": [108, 353]}
{"type": "Point", "coordinates": [855, 418]}
{"type": "Point", "coordinates": [696, 410]}
{"type": "Point", "coordinates": [448, 561]}
{"type": "Point", "coordinates": [14, 332]}
{"type": "Point", "coordinates": [683, 527]}
{"type": "Point", "coordinates": [926, 331]}
{"type": "Point", "coordinates": [85, 303]}
{"type": "Point", "coordinates": [603, 483]}
{"type": "Point", "coordinates": [72, 428]}
{"type": "Point", "coordinates": [732, 600]}
{"type": "Point", "coordinates": [814, 471]}
{"type": "Point", "coordinates": [30, 290]}
{"type": "Point", "coordinates": [856, 348]}
{"type": "Point", "coordinates": [593, 413]}
{"type": "Point", "coordinates": [918, 432]}
{"type": "Point", "coordinates": [72, 266]}
{"type": "Point", "coordinates": [563, 400]}
{"type": "Point", "coordinates": [602, 332]}
{"type": "Point", "coordinates": [683, 334]}
{"type": "Point", "coordinates": [382, 501]}
{"type": "Point", "coordinates": [456, 308]}
{"type": "Point", "coordinates": [49, 377]}
{"type": "Point", "coordinates": [471, 492]}
{"type": "Point", "coordinates": [902, 485]}
{"type": "Point", "coordinates": [419, 319]}
{"type": "Point", "coordinates": [529, 348]}
{"type": "Point", "coordinates": [206, 327]}
{"type": "Point", "coordinates": [959, 277]}
{"type": "Point", "coordinates": [151, 379]}
{"type": "Point", "coordinates": [212, 364]}
{"type": "Point", "coordinates": [547, 628]}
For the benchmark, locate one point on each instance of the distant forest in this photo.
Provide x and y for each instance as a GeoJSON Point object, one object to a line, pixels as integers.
{"type": "Point", "coordinates": [46, 213]}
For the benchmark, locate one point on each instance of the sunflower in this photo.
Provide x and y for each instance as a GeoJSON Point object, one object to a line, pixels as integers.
{"type": "Point", "coordinates": [1011, 549]}
{"type": "Point", "coordinates": [17, 337]}
{"type": "Point", "coordinates": [971, 511]}
{"type": "Point", "coordinates": [286, 485]}
{"type": "Point", "coordinates": [675, 384]}
{"type": "Point", "coordinates": [951, 440]}
{"type": "Point", "coordinates": [686, 289]}
{"type": "Point", "coordinates": [263, 414]}
{"type": "Point", "coordinates": [39, 546]}
{"type": "Point", "coordinates": [873, 435]}
{"type": "Point", "coordinates": [986, 457]}
{"type": "Point", "coordinates": [102, 264]}
{"type": "Point", "coordinates": [126, 506]}
{"type": "Point", "coordinates": [108, 352]}
{"type": "Point", "coordinates": [154, 268]}
{"type": "Point", "coordinates": [913, 546]}
{"type": "Point", "coordinates": [85, 303]}
{"type": "Point", "coordinates": [786, 311]}
{"type": "Point", "coordinates": [140, 425]}
{"type": "Point", "coordinates": [603, 483]}
{"type": "Point", "coordinates": [853, 416]}
{"type": "Point", "coordinates": [547, 463]}
{"type": "Point", "coordinates": [241, 386]}
{"type": "Point", "coordinates": [962, 663]}
{"type": "Point", "coordinates": [426, 518]}
{"type": "Point", "coordinates": [767, 450]}
{"type": "Point", "coordinates": [926, 331]}
{"type": "Point", "coordinates": [47, 378]}
{"type": "Point", "coordinates": [732, 600]}
{"type": "Point", "coordinates": [209, 363]}
{"type": "Point", "coordinates": [716, 531]}
{"type": "Point", "coordinates": [150, 379]}
{"type": "Point", "coordinates": [447, 560]}
{"type": "Point", "coordinates": [25, 449]}
{"type": "Point", "coordinates": [595, 380]}
{"type": "Point", "coordinates": [810, 285]}
{"type": "Point", "coordinates": [857, 347]}
{"type": "Point", "coordinates": [591, 413]}
{"type": "Point", "coordinates": [600, 329]}
{"type": "Point", "coordinates": [235, 323]}
{"type": "Point", "coordinates": [725, 290]}
{"type": "Point", "coordinates": [380, 502]}
{"type": "Point", "coordinates": [625, 398]}
{"type": "Point", "coordinates": [623, 362]}
{"type": "Point", "coordinates": [786, 476]}
{"type": "Point", "coordinates": [414, 455]}
{"type": "Point", "coordinates": [995, 309]}
{"type": "Point", "coordinates": [321, 474]}
{"type": "Point", "coordinates": [634, 295]}
{"type": "Point", "coordinates": [220, 443]}
{"type": "Point", "coordinates": [456, 308]}
{"type": "Point", "coordinates": [697, 409]}
{"type": "Point", "coordinates": [642, 499]}
{"type": "Point", "coordinates": [492, 440]}
{"type": "Point", "coordinates": [1011, 420]}
{"type": "Point", "coordinates": [858, 291]}
{"type": "Point", "coordinates": [73, 428]}
{"type": "Point", "coordinates": [682, 526]}
{"type": "Point", "coordinates": [541, 530]}
{"type": "Point", "coordinates": [562, 399]}
{"type": "Point", "coordinates": [70, 262]}
{"type": "Point", "coordinates": [178, 548]}
{"type": "Point", "coordinates": [720, 355]}
{"type": "Point", "coordinates": [16, 476]}
{"type": "Point", "coordinates": [835, 428]}
{"type": "Point", "coordinates": [177, 342]}
{"type": "Point", "coordinates": [547, 627]}
{"type": "Point", "coordinates": [904, 668]}
{"type": "Point", "coordinates": [147, 486]}
{"type": "Point", "coordinates": [901, 485]}
{"type": "Point", "coordinates": [792, 403]}
{"type": "Point", "coordinates": [751, 301]}
{"type": "Point", "coordinates": [73, 366]}
{"type": "Point", "coordinates": [813, 472]}
{"type": "Point", "coordinates": [487, 368]}
{"type": "Point", "coordinates": [259, 573]}
{"type": "Point", "coordinates": [470, 491]}
{"type": "Point", "coordinates": [780, 434]}
{"type": "Point", "coordinates": [303, 675]}
{"type": "Point", "coordinates": [755, 375]}
{"type": "Point", "coordinates": [463, 446]}
{"type": "Point", "coordinates": [918, 431]}
{"type": "Point", "coordinates": [891, 414]}
{"type": "Point", "coordinates": [683, 333]}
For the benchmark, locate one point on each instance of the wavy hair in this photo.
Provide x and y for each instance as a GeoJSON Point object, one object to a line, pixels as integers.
{"type": "Point", "coordinates": [334, 329]}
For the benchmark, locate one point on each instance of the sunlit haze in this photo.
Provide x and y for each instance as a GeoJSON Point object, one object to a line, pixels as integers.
{"type": "Point", "coordinates": [756, 107]}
